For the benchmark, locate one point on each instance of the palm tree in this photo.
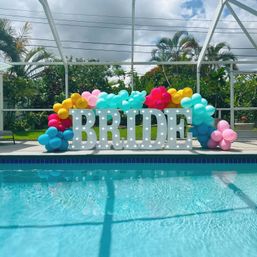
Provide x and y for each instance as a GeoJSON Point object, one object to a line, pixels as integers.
{"type": "Point", "coordinates": [219, 52]}
{"type": "Point", "coordinates": [180, 47]}
{"type": "Point", "coordinates": [36, 55]}
{"type": "Point", "coordinates": [14, 47]}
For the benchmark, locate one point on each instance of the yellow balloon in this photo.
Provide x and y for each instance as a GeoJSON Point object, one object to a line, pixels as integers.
{"type": "Point", "coordinates": [171, 105]}
{"type": "Point", "coordinates": [57, 107]}
{"type": "Point", "coordinates": [180, 92]}
{"type": "Point", "coordinates": [81, 103]}
{"type": "Point", "coordinates": [75, 97]}
{"type": "Point", "coordinates": [67, 103]}
{"type": "Point", "coordinates": [172, 91]}
{"type": "Point", "coordinates": [187, 92]}
{"type": "Point", "coordinates": [176, 98]}
{"type": "Point", "coordinates": [63, 113]}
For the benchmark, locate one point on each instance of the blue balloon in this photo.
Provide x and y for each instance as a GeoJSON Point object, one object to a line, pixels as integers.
{"type": "Point", "coordinates": [194, 131]}
{"type": "Point", "coordinates": [64, 146]}
{"type": "Point", "coordinates": [43, 139]}
{"type": "Point", "coordinates": [203, 129]}
{"type": "Point", "coordinates": [52, 132]}
{"type": "Point", "coordinates": [55, 143]}
{"type": "Point", "coordinates": [49, 148]}
{"type": "Point", "coordinates": [211, 129]}
{"type": "Point", "coordinates": [60, 134]}
{"type": "Point", "coordinates": [68, 134]}
{"type": "Point", "coordinates": [203, 139]}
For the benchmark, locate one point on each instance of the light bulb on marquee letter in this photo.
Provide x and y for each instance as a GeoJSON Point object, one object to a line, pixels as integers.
{"type": "Point", "coordinates": [113, 128]}
{"type": "Point", "coordinates": [161, 129]}
{"type": "Point", "coordinates": [78, 128]}
{"type": "Point", "coordinates": [173, 128]}
{"type": "Point", "coordinates": [131, 124]}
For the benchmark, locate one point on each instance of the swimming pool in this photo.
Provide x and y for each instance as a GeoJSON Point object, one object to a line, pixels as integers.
{"type": "Point", "coordinates": [134, 210]}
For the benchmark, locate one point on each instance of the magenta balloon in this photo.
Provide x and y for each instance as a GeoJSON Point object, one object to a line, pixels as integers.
{"type": "Point", "coordinates": [222, 125]}
{"type": "Point", "coordinates": [53, 123]}
{"type": "Point", "coordinates": [53, 116]}
{"type": "Point", "coordinates": [212, 144]}
{"type": "Point", "coordinates": [229, 135]}
{"type": "Point", "coordinates": [216, 136]}
{"type": "Point", "coordinates": [225, 145]}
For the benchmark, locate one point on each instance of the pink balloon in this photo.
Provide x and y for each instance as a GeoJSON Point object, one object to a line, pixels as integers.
{"type": "Point", "coordinates": [86, 94]}
{"type": "Point", "coordinates": [53, 116]}
{"type": "Point", "coordinates": [166, 97]}
{"type": "Point", "coordinates": [53, 123]}
{"type": "Point", "coordinates": [225, 145]}
{"type": "Point", "coordinates": [96, 92]}
{"type": "Point", "coordinates": [216, 136]}
{"type": "Point", "coordinates": [222, 125]}
{"type": "Point", "coordinates": [229, 135]}
{"type": "Point", "coordinates": [92, 100]}
{"type": "Point", "coordinates": [212, 144]}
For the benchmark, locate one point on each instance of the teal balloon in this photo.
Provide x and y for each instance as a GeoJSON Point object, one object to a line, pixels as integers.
{"type": "Point", "coordinates": [209, 121]}
{"type": "Point", "coordinates": [186, 102]}
{"type": "Point", "coordinates": [110, 97]}
{"type": "Point", "coordinates": [210, 109]}
{"type": "Point", "coordinates": [64, 146]}
{"type": "Point", "coordinates": [52, 132]}
{"type": "Point", "coordinates": [196, 98]}
{"type": "Point", "coordinates": [199, 109]}
{"type": "Point", "coordinates": [124, 94]}
{"type": "Point", "coordinates": [102, 95]}
{"type": "Point", "coordinates": [43, 139]}
{"type": "Point", "coordinates": [197, 119]}
{"type": "Point", "coordinates": [55, 143]}
{"type": "Point", "coordinates": [204, 102]}
{"type": "Point", "coordinates": [68, 134]}
{"type": "Point", "coordinates": [125, 105]}
{"type": "Point", "coordinates": [101, 104]}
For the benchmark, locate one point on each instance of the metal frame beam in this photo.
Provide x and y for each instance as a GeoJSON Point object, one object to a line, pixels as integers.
{"type": "Point", "coordinates": [243, 6]}
{"type": "Point", "coordinates": [208, 38]}
{"type": "Point", "coordinates": [132, 43]}
{"type": "Point", "coordinates": [241, 25]}
{"type": "Point", "coordinates": [50, 19]}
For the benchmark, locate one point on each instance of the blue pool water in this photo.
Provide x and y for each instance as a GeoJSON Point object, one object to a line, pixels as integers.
{"type": "Point", "coordinates": [134, 210]}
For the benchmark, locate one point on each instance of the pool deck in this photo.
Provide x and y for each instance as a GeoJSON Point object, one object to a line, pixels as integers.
{"type": "Point", "coordinates": [32, 148]}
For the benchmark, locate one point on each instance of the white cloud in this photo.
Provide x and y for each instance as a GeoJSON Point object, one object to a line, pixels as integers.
{"type": "Point", "coordinates": [162, 8]}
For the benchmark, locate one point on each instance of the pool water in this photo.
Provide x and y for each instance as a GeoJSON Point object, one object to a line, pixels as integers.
{"type": "Point", "coordinates": [128, 210]}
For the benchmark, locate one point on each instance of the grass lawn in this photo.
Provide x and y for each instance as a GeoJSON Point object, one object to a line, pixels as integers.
{"type": "Point", "coordinates": [33, 135]}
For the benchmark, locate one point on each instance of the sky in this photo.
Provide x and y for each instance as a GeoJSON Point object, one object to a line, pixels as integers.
{"type": "Point", "coordinates": [102, 21]}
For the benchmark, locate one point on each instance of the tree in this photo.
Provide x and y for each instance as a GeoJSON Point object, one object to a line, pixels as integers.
{"type": "Point", "coordinates": [180, 47]}
{"type": "Point", "coordinates": [13, 46]}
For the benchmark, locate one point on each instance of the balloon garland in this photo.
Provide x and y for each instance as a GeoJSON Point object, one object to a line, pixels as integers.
{"type": "Point", "coordinates": [60, 132]}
